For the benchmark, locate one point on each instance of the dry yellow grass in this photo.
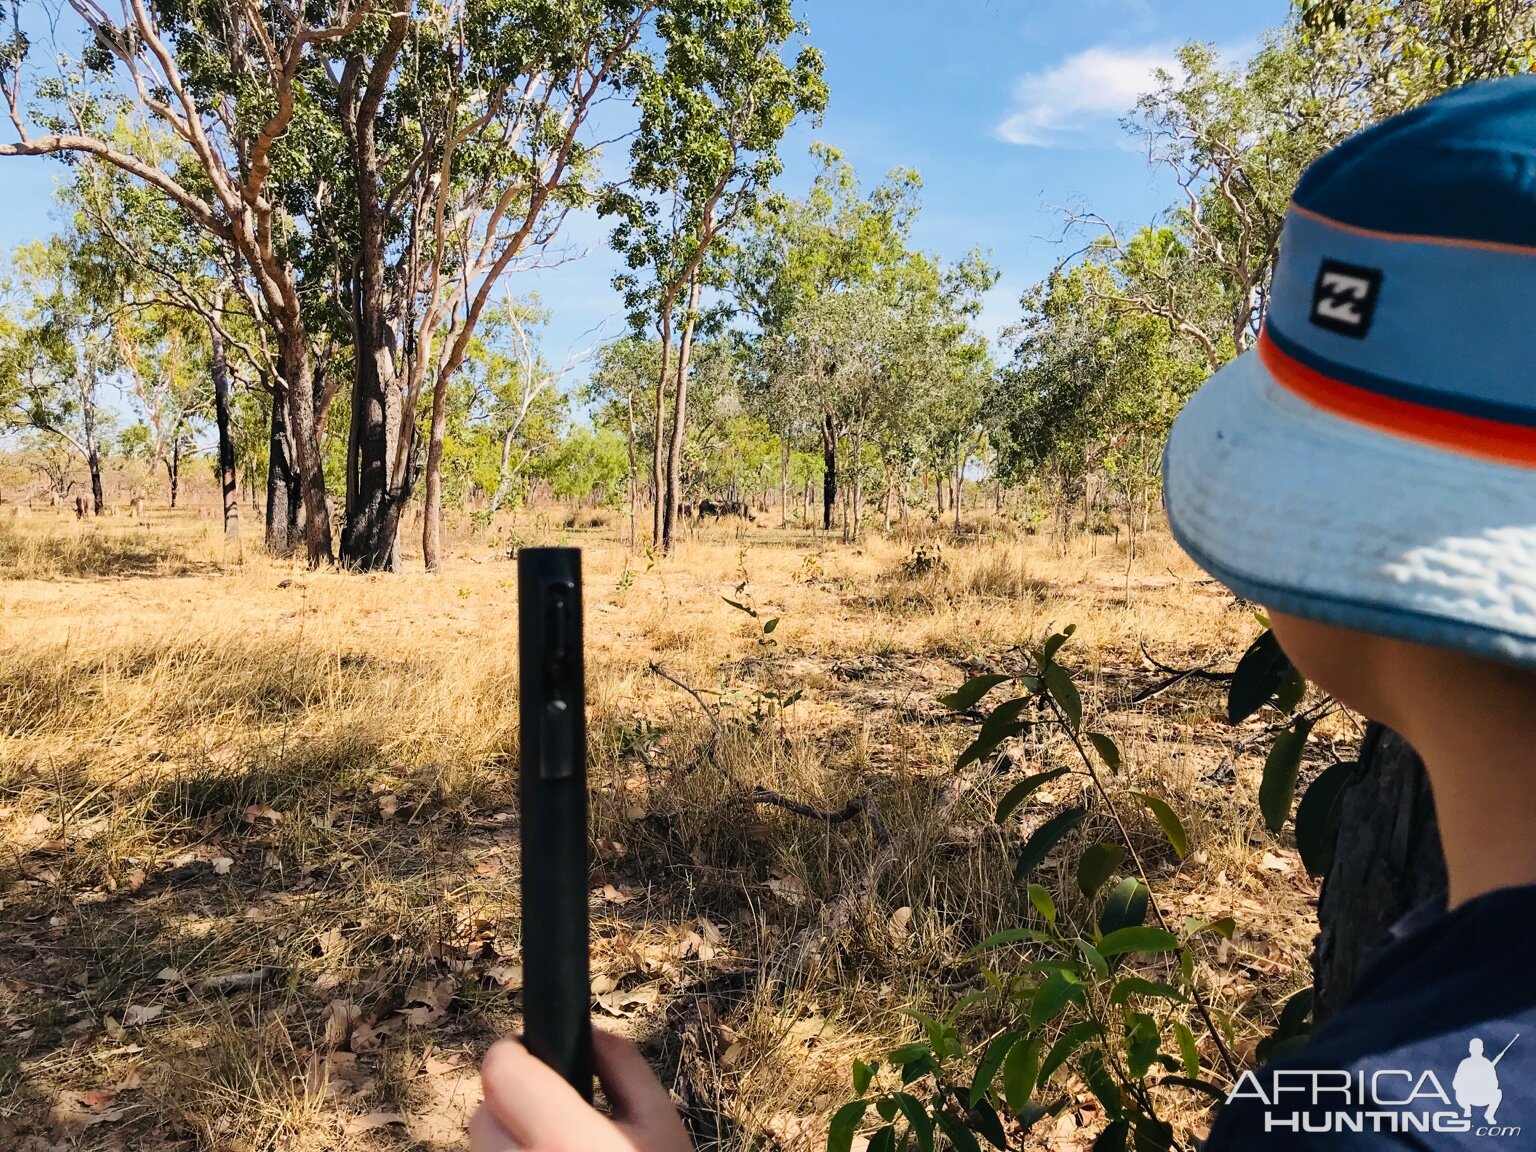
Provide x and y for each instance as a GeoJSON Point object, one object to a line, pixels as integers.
{"type": "Point", "coordinates": [259, 885]}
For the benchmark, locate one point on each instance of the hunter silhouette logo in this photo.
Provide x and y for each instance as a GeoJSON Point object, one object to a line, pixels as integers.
{"type": "Point", "coordinates": [1344, 298]}
{"type": "Point", "coordinates": [1477, 1081]}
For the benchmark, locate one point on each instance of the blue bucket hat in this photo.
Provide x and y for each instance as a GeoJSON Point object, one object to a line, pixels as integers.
{"type": "Point", "coordinates": [1371, 463]}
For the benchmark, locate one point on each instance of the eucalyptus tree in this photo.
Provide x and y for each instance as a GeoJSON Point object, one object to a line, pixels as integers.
{"type": "Point", "coordinates": [712, 110]}
{"type": "Point", "coordinates": [178, 291]}
{"type": "Point", "coordinates": [1384, 56]}
{"type": "Point", "coordinates": [799, 254]}
{"type": "Point", "coordinates": [59, 354]}
{"type": "Point", "coordinates": [228, 81]}
{"type": "Point", "coordinates": [620, 389]}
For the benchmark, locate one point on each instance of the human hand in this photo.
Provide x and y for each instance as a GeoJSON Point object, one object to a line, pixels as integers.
{"type": "Point", "coordinates": [529, 1108]}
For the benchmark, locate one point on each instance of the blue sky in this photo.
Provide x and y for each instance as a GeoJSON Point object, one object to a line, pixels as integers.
{"type": "Point", "coordinates": [1008, 109]}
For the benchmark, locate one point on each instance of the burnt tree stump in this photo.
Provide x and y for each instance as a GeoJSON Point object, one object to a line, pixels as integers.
{"type": "Point", "coordinates": [1387, 862]}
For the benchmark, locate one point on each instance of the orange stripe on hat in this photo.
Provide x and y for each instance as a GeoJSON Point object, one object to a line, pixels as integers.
{"type": "Point", "coordinates": [1469, 435]}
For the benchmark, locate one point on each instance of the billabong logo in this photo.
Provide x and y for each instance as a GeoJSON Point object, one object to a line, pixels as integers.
{"type": "Point", "coordinates": [1344, 298]}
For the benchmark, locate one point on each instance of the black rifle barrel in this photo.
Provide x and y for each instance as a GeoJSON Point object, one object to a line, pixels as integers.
{"type": "Point", "coordinates": [552, 730]}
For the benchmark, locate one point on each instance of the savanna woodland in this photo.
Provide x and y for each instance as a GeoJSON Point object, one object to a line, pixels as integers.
{"type": "Point", "coordinates": [938, 800]}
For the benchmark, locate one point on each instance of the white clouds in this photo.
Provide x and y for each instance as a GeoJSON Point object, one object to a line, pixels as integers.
{"type": "Point", "coordinates": [1083, 91]}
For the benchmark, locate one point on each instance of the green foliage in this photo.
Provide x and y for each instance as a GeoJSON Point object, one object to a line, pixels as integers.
{"type": "Point", "coordinates": [1070, 988]}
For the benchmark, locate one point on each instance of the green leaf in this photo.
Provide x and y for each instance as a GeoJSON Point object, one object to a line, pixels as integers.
{"type": "Point", "coordinates": [917, 1069]}
{"type": "Point", "coordinates": [886, 1107]}
{"type": "Point", "coordinates": [1153, 1134]}
{"type": "Point", "coordinates": [1296, 1013]}
{"type": "Point", "coordinates": [1275, 1048]}
{"type": "Point", "coordinates": [1069, 1042]}
{"type": "Point", "coordinates": [1022, 791]}
{"type": "Point", "coordinates": [1168, 820]}
{"type": "Point", "coordinates": [1096, 865]}
{"type": "Point", "coordinates": [917, 1119]}
{"type": "Point", "coordinates": [1107, 751]}
{"type": "Point", "coordinates": [1045, 837]}
{"type": "Point", "coordinates": [770, 625]}
{"type": "Point", "coordinates": [1260, 674]}
{"type": "Point", "coordinates": [1142, 1037]}
{"type": "Point", "coordinates": [1059, 990]}
{"type": "Point", "coordinates": [1137, 986]}
{"type": "Point", "coordinates": [862, 1075]}
{"type": "Point", "coordinates": [1281, 767]}
{"type": "Point", "coordinates": [1043, 903]}
{"type": "Point", "coordinates": [1317, 816]}
{"type": "Point", "coordinates": [1113, 1138]}
{"type": "Point", "coordinates": [1138, 938]}
{"type": "Point", "coordinates": [1003, 723]}
{"type": "Point", "coordinates": [991, 1061]}
{"type": "Point", "coordinates": [845, 1122]}
{"type": "Point", "coordinates": [959, 1135]}
{"type": "Point", "coordinates": [984, 1119]}
{"type": "Point", "coordinates": [884, 1140]}
{"type": "Point", "coordinates": [1058, 682]}
{"type": "Point", "coordinates": [968, 694]}
{"type": "Point", "coordinates": [1012, 936]}
{"type": "Point", "coordinates": [1290, 692]}
{"type": "Point", "coordinates": [1224, 926]}
{"type": "Point", "coordinates": [1095, 959]}
{"type": "Point", "coordinates": [1125, 907]}
{"type": "Point", "coordinates": [1020, 1068]}
{"type": "Point", "coordinates": [1053, 643]}
{"type": "Point", "coordinates": [1189, 1053]}
{"type": "Point", "coordinates": [740, 607]}
{"type": "Point", "coordinates": [909, 1052]}
{"type": "Point", "coordinates": [1096, 1072]}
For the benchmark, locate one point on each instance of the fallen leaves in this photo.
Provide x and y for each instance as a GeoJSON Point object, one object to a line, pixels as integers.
{"type": "Point", "coordinates": [373, 1120]}
{"type": "Point", "coordinates": [136, 1014]}
{"type": "Point", "coordinates": [623, 1003]}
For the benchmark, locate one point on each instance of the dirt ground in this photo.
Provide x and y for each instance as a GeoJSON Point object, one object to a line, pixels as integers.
{"type": "Point", "coordinates": [258, 879]}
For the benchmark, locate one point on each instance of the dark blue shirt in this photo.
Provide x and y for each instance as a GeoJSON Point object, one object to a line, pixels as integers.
{"type": "Point", "coordinates": [1436, 1050]}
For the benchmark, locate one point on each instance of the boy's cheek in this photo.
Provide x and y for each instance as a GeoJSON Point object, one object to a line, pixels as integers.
{"type": "Point", "coordinates": [1348, 665]}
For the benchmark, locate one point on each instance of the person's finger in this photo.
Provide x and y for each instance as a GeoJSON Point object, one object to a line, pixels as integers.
{"type": "Point", "coordinates": [485, 1135]}
{"type": "Point", "coordinates": [534, 1105]}
{"type": "Point", "coordinates": [640, 1103]}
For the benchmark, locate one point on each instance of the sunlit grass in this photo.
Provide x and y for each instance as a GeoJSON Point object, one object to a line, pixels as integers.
{"type": "Point", "coordinates": [278, 804]}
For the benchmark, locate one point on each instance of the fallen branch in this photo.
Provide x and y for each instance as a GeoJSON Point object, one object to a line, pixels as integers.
{"type": "Point", "coordinates": [1176, 676]}
{"type": "Point", "coordinates": [713, 714]}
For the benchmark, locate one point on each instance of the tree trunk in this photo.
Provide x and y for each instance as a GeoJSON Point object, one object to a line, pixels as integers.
{"type": "Point", "coordinates": [222, 396]}
{"type": "Point", "coordinates": [938, 489]}
{"type": "Point", "coordinates": [856, 489]}
{"type": "Point", "coordinates": [828, 471]}
{"type": "Point", "coordinates": [959, 485]}
{"type": "Point", "coordinates": [784, 458]}
{"type": "Point", "coordinates": [371, 528]}
{"type": "Point", "coordinates": [634, 473]}
{"type": "Point", "coordinates": [173, 466]}
{"type": "Point", "coordinates": [658, 442]}
{"type": "Point", "coordinates": [92, 448]}
{"type": "Point", "coordinates": [674, 489]}
{"type": "Point", "coordinates": [282, 481]}
{"type": "Point", "coordinates": [432, 517]}
{"type": "Point", "coordinates": [299, 383]}
{"type": "Point", "coordinates": [1389, 863]}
